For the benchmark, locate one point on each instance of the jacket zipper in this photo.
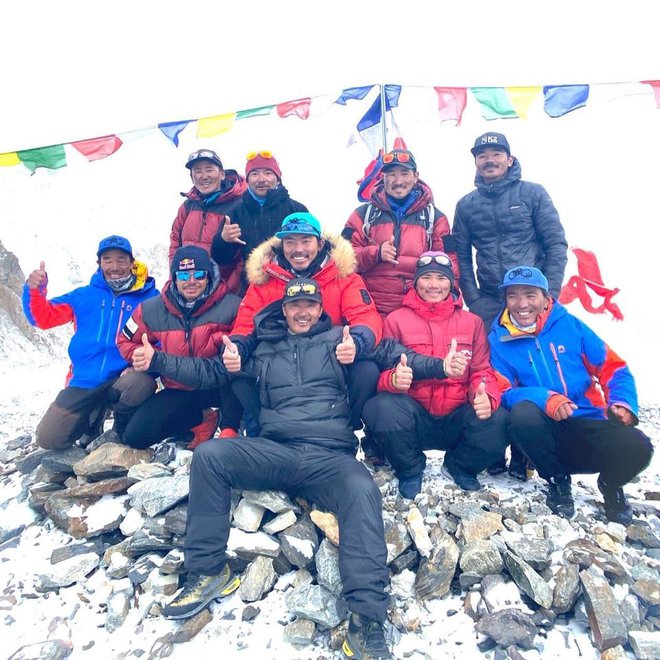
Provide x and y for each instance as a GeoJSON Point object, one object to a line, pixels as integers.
{"type": "Point", "coordinates": [559, 369]}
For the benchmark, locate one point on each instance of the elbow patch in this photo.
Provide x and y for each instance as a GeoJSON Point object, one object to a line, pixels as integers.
{"type": "Point", "coordinates": [366, 297]}
{"type": "Point", "coordinates": [129, 329]}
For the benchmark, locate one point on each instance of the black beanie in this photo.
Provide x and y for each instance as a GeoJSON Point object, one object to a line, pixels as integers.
{"type": "Point", "coordinates": [191, 257]}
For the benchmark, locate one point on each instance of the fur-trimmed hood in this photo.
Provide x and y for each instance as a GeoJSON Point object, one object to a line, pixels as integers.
{"type": "Point", "coordinates": [341, 253]}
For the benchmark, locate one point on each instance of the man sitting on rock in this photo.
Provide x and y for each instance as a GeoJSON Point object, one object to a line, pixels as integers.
{"type": "Point", "coordinates": [572, 399]}
{"type": "Point", "coordinates": [306, 448]}
{"type": "Point", "coordinates": [98, 312]}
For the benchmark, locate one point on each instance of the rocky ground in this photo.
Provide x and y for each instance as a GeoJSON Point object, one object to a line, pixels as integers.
{"type": "Point", "coordinates": [90, 549]}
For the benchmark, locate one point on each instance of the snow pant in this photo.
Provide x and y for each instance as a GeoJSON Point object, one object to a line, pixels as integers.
{"type": "Point", "coordinates": [487, 309]}
{"type": "Point", "coordinates": [404, 429]}
{"type": "Point", "coordinates": [75, 409]}
{"type": "Point", "coordinates": [332, 479]}
{"type": "Point", "coordinates": [362, 377]}
{"type": "Point", "coordinates": [173, 412]}
{"type": "Point", "coordinates": [579, 445]}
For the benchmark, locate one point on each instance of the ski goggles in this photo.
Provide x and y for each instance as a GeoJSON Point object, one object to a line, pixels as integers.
{"type": "Point", "coordinates": [203, 154]}
{"type": "Point", "coordinates": [185, 275]}
{"type": "Point", "coordinates": [255, 154]}
{"type": "Point", "coordinates": [403, 158]}
{"type": "Point", "coordinates": [426, 259]}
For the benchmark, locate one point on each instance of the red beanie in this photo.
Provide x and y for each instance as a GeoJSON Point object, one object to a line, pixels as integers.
{"type": "Point", "coordinates": [265, 160]}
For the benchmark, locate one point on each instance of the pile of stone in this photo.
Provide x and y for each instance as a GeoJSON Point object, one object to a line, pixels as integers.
{"type": "Point", "coordinates": [519, 570]}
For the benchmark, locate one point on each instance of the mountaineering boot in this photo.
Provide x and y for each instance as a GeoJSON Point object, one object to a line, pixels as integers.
{"type": "Point", "coordinates": [518, 465]}
{"type": "Point", "coordinates": [227, 433]}
{"type": "Point", "coordinates": [365, 640]}
{"type": "Point", "coordinates": [198, 591]}
{"type": "Point", "coordinates": [560, 496]}
{"type": "Point", "coordinates": [462, 480]}
{"type": "Point", "coordinates": [617, 508]}
{"type": "Point", "coordinates": [497, 468]}
{"type": "Point", "coordinates": [410, 486]}
{"type": "Point", "coordinates": [205, 430]}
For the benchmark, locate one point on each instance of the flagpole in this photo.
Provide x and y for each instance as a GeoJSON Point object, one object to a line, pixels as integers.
{"type": "Point", "coordinates": [384, 118]}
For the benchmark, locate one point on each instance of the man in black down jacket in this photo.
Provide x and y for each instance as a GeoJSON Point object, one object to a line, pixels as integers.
{"type": "Point", "coordinates": [263, 206]}
{"type": "Point", "coordinates": [508, 222]}
{"type": "Point", "coordinates": [306, 448]}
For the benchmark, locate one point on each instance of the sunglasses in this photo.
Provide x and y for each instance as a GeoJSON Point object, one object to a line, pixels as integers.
{"type": "Point", "coordinates": [264, 154]}
{"type": "Point", "coordinates": [115, 240]}
{"type": "Point", "coordinates": [299, 227]}
{"type": "Point", "coordinates": [297, 288]}
{"type": "Point", "coordinates": [185, 275]}
{"type": "Point", "coordinates": [398, 156]}
{"type": "Point", "coordinates": [203, 153]}
{"type": "Point", "coordinates": [520, 272]}
{"type": "Point", "coordinates": [441, 259]}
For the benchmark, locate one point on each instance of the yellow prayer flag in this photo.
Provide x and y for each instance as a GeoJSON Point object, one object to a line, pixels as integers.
{"type": "Point", "coordinates": [522, 98]}
{"type": "Point", "coordinates": [9, 159]}
{"type": "Point", "coordinates": [211, 126]}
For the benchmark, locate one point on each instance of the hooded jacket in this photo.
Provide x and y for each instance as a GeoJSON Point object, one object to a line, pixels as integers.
{"type": "Point", "coordinates": [172, 328]}
{"type": "Point", "coordinates": [98, 315]}
{"type": "Point", "coordinates": [345, 296]}
{"type": "Point", "coordinates": [200, 216]}
{"type": "Point", "coordinates": [563, 361]}
{"type": "Point", "coordinates": [428, 328]}
{"type": "Point", "coordinates": [257, 223]}
{"type": "Point", "coordinates": [389, 282]}
{"type": "Point", "coordinates": [509, 223]}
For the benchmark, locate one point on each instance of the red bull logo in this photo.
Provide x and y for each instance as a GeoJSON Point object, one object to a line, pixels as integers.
{"type": "Point", "coordinates": [186, 264]}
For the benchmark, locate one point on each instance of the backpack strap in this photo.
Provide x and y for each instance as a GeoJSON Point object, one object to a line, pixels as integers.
{"type": "Point", "coordinates": [370, 214]}
{"type": "Point", "coordinates": [430, 211]}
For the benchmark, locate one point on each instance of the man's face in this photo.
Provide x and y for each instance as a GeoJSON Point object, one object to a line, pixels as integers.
{"type": "Point", "coordinates": [261, 180]}
{"type": "Point", "coordinates": [192, 288]}
{"type": "Point", "coordinates": [399, 181]}
{"type": "Point", "coordinates": [115, 264]}
{"type": "Point", "coordinates": [493, 163]}
{"type": "Point", "coordinates": [301, 315]}
{"type": "Point", "coordinates": [301, 249]}
{"type": "Point", "coordinates": [525, 303]}
{"type": "Point", "coordinates": [433, 287]}
{"type": "Point", "coordinates": [206, 176]}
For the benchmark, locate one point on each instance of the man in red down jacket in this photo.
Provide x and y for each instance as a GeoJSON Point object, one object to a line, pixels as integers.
{"type": "Point", "coordinates": [390, 232]}
{"type": "Point", "coordinates": [300, 249]}
{"type": "Point", "coordinates": [458, 415]}
{"type": "Point", "coordinates": [190, 317]}
{"type": "Point", "coordinates": [215, 193]}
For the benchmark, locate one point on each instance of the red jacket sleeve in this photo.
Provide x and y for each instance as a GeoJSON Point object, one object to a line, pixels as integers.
{"type": "Point", "coordinates": [175, 234]}
{"type": "Point", "coordinates": [481, 369]}
{"type": "Point", "coordinates": [366, 250]}
{"type": "Point", "coordinates": [47, 314]}
{"type": "Point", "coordinates": [441, 229]}
{"type": "Point", "coordinates": [357, 306]}
{"type": "Point", "coordinates": [130, 337]}
{"type": "Point", "coordinates": [252, 303]}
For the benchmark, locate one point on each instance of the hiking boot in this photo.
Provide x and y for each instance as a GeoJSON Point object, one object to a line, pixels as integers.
{"type": "Point", "coordinates": [560, 497]}
{"type": "Point", "coordinates": [205, 430]}
{"type": "Point", "coordinates": [617, 508]}
{"type": "Point", "coordinates": [497, 468]}
{"type": "Point", "coordinates": [199, 591]}
{"type": "Point", "coordinates": [365, 639]}
{"type": "Point", "coordinates": [228, 433]}
{"type": "Point", "coordinates": [410, 486]}
{"type": "Point", "coordinates": [518, 468]}
{"type": "Point", "coordinates": [372, 450]}
{"type": "Point", "coordinates": [463, 481]}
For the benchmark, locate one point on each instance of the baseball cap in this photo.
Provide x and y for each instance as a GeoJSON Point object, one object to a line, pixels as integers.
{"type": "Point", "coordinates": [526, 276]}
{"type": "Point", "coordinates": [401, 157]}
{"type": "Point", "coordinates": [114, 242]}
{"type": "Point", "coordinates": [203, 154]}
{"type": "Point", "coordinates": [490, 141]}
{"type": "Point", "coordinates": [299, 223]}
{"type": "Point", "coordinates": [302, 288]}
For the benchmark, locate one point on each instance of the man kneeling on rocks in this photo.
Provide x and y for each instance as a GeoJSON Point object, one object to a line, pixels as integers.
{"type": "Point", "coordinates": [460, 414]}
{"type": "Point", "coordinates": [572, 399]}
{"type": "Point", "coordinates": [306, 448]}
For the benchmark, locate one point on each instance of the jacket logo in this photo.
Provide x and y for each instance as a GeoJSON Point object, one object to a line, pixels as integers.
{"type": "Point", "coordinates": [561, 348]}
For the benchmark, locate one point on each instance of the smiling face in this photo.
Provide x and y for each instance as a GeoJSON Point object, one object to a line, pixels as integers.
{"type": "Point", "coordinates": [206, 176]}
{"type": "Point", "coordinates": [261, 180]}
{"type": "Point", "coordinates": [301, 315]}
{"type": "Point", "coordinates": [398, 181]}
{"type": "Point", "coordinates": [300, 250]}
{"type": "Point", "coordinates": [115, 264]}
{"type": "Point", "coordinates": [433, 287]}
{"type": "Point", "coordinates": [493, 163]}
{"type": "Point", "coordinates": [525, 303]}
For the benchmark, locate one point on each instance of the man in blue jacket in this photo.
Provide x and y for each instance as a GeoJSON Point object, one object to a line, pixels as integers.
{"type": "Point", "coordinates": [572, 399]}
{"type": "Point", "coordinates": [98, 312]}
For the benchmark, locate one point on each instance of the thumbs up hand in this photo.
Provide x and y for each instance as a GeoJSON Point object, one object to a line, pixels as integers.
{"type": "Point", "coordinates": [346, 350]}
{"type": "Point", "coordinates": [402, 377]}
{"type": "Point", "coordinates": [481, 402]}
{"type": "Point", "coordinates": [142, 356]}
{"type": "Point", "coordinates": [38, 278]}
{"type": "Point", "coordinates": [388, 251]}
{"type": "Point", "coordinates": [231, 358]}
{"type": "Point", "coordinates": [231, 233]}
{"type": "Point", "coordinates": [454, 363]}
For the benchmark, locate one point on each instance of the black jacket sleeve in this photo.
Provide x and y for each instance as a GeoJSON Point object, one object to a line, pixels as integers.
{"type": "Point", "coordinates": [196, 373]}
{"type": "Point", "coordinates": [388, 353]}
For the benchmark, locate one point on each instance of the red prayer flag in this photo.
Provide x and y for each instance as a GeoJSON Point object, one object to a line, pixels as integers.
{"type": "Point", "coordinates": [98, 148]}
{"type": "Point", "coordinates": [451, 103]}
{"type": "Point", "coordinates": [655, 84]}
{"type": "Point", "coordinates": [589, 277]}
{"type": "Point", "coordinates": [299, 108]}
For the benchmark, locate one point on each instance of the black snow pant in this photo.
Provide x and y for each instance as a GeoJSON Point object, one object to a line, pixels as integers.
{"type": "Point", "coordinates": [332, 479]}
{"type": "Point", "coordinates": [173, 412]}
{"type": "Point", "coordinates": [579, 445]}
{"type": "Point", "coordinates": [405, 429]}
